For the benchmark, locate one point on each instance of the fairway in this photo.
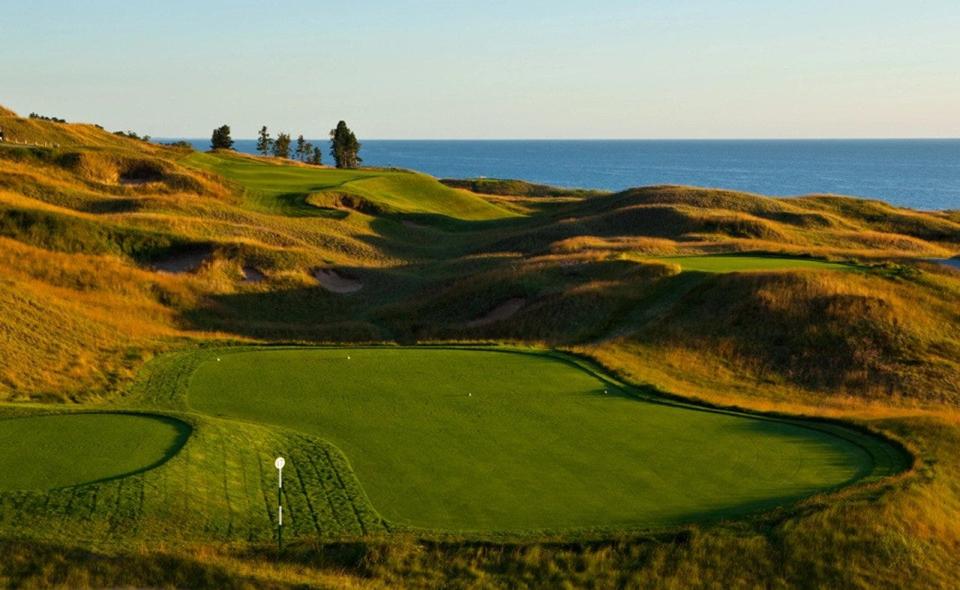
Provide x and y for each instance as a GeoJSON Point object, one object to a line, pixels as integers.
{"type": "Point", "coordinates": [46, 452]}
{"type": "Point", "coordinates": [722, 263]}
{"type": "Point", "coordinates": [284, 189]}
{"type": "Point", "coordinates": [474, 440]}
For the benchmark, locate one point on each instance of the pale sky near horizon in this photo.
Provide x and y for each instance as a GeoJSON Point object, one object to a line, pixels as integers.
{"type": "Point", "coordinates": [491, 69]}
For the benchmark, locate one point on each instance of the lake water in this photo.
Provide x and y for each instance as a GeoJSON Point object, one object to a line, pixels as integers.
{"type": "Point", "coordinates": [922, 173]}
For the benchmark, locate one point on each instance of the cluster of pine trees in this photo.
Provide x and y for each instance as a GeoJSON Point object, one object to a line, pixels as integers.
{"type": "Point", "coordinates": [344, 146]}
{"type": "Point", "coordinates": [45, 118]}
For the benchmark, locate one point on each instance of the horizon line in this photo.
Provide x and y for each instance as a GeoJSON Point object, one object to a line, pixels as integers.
{"type": "Point", "coordinates": [518, 139]}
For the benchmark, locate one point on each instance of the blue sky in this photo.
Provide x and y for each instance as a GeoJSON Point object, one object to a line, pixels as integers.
{"type": "Point", "coordinates": [491, 69]}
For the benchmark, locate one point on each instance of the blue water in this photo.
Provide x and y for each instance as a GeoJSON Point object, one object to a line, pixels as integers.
{"type": "Point", "coordinates": [922, 173]}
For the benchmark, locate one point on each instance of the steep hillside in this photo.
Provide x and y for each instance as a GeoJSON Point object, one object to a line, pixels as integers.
{"type": "Point", "coordinates": [854, 334]}
{"type": "Point", "coordinates": [41, 132]}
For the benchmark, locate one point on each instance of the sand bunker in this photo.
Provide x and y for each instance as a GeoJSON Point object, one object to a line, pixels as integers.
{"type": "Point", "coordinates": [182, 263]}
{"type": "Point", "coordinates": [335, 283]}
{"type": "Point", "coordinates": [252, 275]}
{"type": "Point", "coordinates": [500, 312]}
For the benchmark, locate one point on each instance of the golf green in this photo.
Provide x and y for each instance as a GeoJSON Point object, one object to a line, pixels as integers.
{"type": "Point", "coordinates": [476, 440]}
{"type": "Point", "coordinates": [53, 451]}
{"type": "Point", "coordinates": [722, 263]}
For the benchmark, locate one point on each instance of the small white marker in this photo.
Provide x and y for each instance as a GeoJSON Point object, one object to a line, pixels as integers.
{"type": "Point", "coordinates": [279, 463]}
{"type": "Point", "coordinates": [218, 359]}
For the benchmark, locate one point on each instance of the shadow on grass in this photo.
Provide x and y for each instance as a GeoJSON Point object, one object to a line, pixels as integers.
{"type": "Point", "coordinates": [308, 313]}
{"type": "Point", "coordinates": [293, 205]}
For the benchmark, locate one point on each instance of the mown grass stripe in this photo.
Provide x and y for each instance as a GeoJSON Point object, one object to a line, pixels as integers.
{"type": "Point", "coordinates": [306, 495]}
{"type": "Point", "coordinates": [269, 501]}
{"type": "Point", "coordinates": [357, 521]}
{"type": "Point", "coordinates": [330, 513]}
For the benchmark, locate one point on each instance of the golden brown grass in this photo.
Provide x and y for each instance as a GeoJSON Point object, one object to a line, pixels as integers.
{"type": "Point", "coordinates": [824, 333]}
{"type": "Point", "coordinates": [78, 326]}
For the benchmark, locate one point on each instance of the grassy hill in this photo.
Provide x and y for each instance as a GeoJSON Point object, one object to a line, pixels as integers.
{"type": "Point", "coordinates": [125, 266]}
{"type": "Point", "coordinates": [287, 189]}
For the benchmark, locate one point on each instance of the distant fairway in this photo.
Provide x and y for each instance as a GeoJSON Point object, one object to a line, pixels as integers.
{"type": "Point", "coordinates": [283, 189]}
{"type": "Point", "coordinates": [45, 452]}
{"type": "Point", "coordinates": [721, 263]}
{"type": "Point", "coordinates": [468, 440]}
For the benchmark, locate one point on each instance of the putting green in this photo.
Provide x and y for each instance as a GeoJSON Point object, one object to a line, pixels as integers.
{"type": "Point", "coordinates": [473, 440]}
{"type": "Point", "coordinates": [46, 452]}
{"type": "Point", "coordinates": [721, 263]}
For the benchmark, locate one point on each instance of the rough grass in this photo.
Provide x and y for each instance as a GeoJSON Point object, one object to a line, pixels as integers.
{"type": "Point", "coordinates": [856, 334]}
{"type": "Point", "coordinates": [520, 188]}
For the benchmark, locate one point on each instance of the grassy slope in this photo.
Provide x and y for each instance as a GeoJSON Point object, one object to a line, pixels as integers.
{"type": "Point", "coordinates": [276, 188]}
{"type": "Point", "coordinates": [220, 488]}
{"type": "Point", "coordinates": [95, 317]}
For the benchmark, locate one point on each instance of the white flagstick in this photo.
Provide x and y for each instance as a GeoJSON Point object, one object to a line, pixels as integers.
{"type": "Point", "coordinates": [279, 463]}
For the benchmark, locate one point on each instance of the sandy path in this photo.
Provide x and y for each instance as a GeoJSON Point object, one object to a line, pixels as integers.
{"type": "Point", "coordinates": [182, 262]}
{"type": "Point", "coordinates": [500, 312]}
{"type": "Point", "coordinates": [331, 281]}
{"type": "Point", "coordinates": [252, 275]}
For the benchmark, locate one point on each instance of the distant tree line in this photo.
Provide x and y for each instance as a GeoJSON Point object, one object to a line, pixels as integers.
{"type": "Point", "coordinates": [44, 118]}
{"type": "Point", "coordinates": [344, 146]}
{"type": "Point", "coordinates": [180, 144]}
{"type": "Point", "coordinates": [132, 135]}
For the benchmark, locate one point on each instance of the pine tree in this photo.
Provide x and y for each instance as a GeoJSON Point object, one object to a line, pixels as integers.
{"type": "Point", "coordinates": [221, 140]}
{"type": "Point", "coordinates": [264, 143]}
{"type": "Point", "coordinates": [281, 145]}
{"type": "Point", "coordinates": [317, 158]}
{"type": "Point", "coordinates": [344, 147]}
{"type": "Point", "coordinates": [301, 150]}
